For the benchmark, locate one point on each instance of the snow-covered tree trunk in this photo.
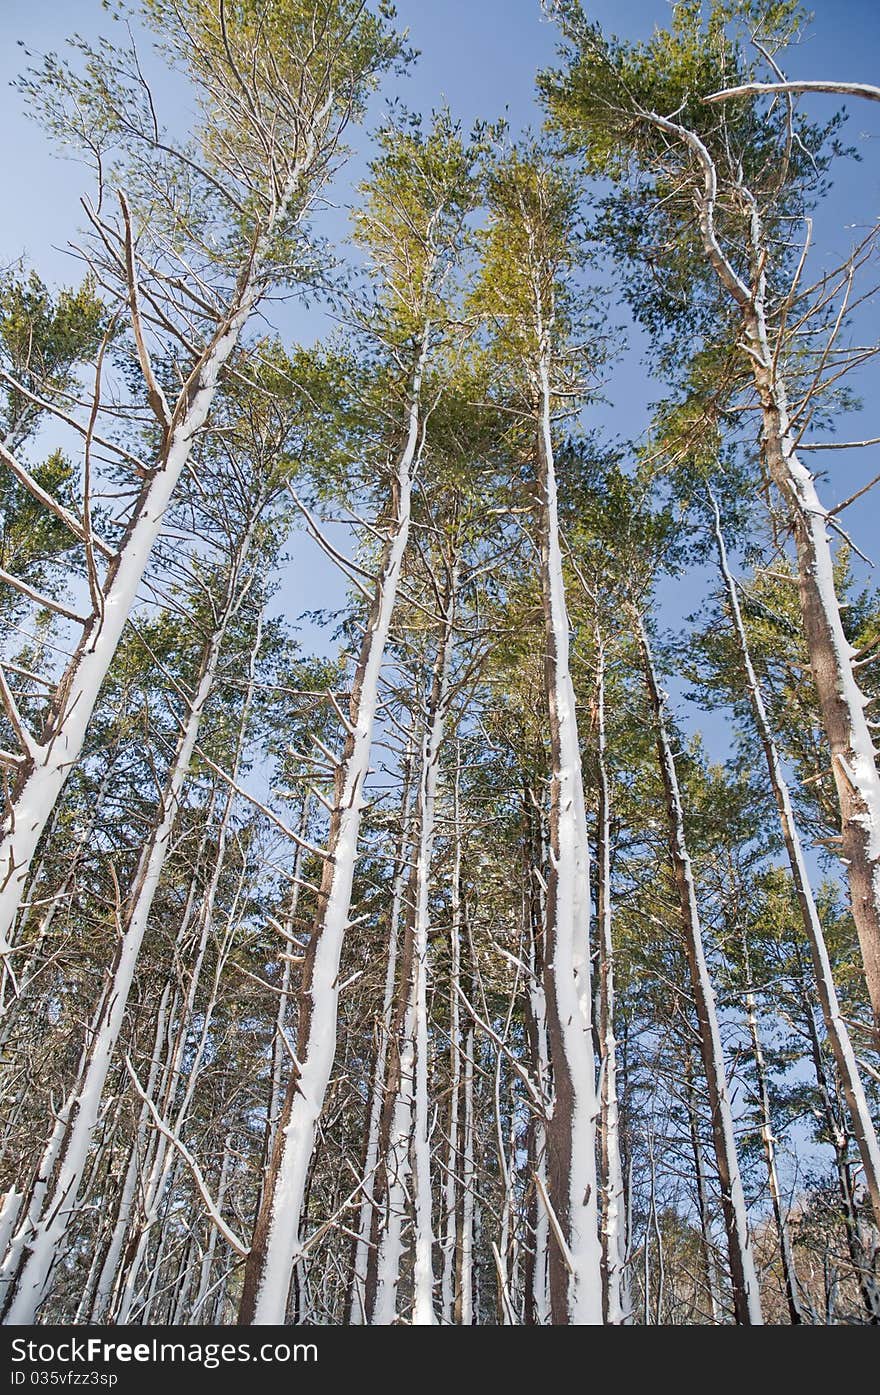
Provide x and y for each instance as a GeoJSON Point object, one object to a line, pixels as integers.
{"type": "Point", "coordinates": [33, 1203]}
{"type": "Point", "coordinates": [423, 1278]}
{"type": "Point", "coordinates": [768, 1139]}
{"type": "Point", "coordinates": [575, 1250]}
{"type": "Point", "coordinates": [744, 1279]}
{"type": "Point", "coordinates": [48, 759]}
{"type": "Point", "coordinates": [146, 1145]}
{"type": "Point", "coordinates": [113, 1255]}
{"type": "Point", "coordinates": [450, 1186]}
{"type": "Point", "coordinates": [382, 1291]}
{"type": "Point", "coordinates": [707, 1248]}
{"type": "Point", "coordinates": [505, 1252]}
{"type": "Point", "coordinates": [357, 1310]}
{"type": "Point", "coordinates": [9, 1212]}
{"type": "Point", "coordinates": [539, 1296]}
{"type": "Point", "coordinates": [30, 962]}
{"type": "Point", "coordinates": [464, 1296]}
{"type": "Point", "coordinates": [860, 1258]}
{"type": "Point", "coordinates": [154, 1288]}
{"type": "Point", "coordinates": [279, 1050]}
{"type": "Point", "coordinates": [409, 1133]}
{"type": "Point", "coordinates": [207, 1261]}
{"type": "Point", "coordinates": [276, 1237]}
{"type": "Point", "coordinates": [153, 1189]}
{"type": "Point", "coordinates": [509, 1242]}
{"type": "Point", "coordinates": [536, 1308]}
{"type": "Point", "coordinates": [838, 1035]}
{"type": "Point", "coordinates": [841, 701]}
{"type": "Point", "coordinates": [34, 1249]}
{"type": "Point", "coordinates": [614, 1257]}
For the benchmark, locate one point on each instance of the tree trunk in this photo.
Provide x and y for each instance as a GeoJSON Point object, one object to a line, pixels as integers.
{"type": "Point", "coordinates": [707, 1250]}
{"type": "Point", "coordinates": [410, 1128]}
{"type": "Point", "coordinates": [152, 1191]}
{"type": "Point", "coordinates": [450, 1202]}
{"type": "Point", "coordinates": [276, 1237]}
{"type": "Point", "coordinates": [789, 1271]}
{"type": "Point", "coordinates": [863, 1126]}
{"type": "Point", "coordinates": [746, 1298]}
{"type": "Point", "coordinates": [575, 1251]}
{"type": "Point", "coordinates": [50, 759]}
{"type": "Point", "coordinates": [464, 1295]}
{"type": "Point", "coordinates": [536, 1308]}
{"type": "Point", "coordinates": [615, 1288]}
{"type": "Point", "coordinates": [32, 1253]}
{"type": "Point", "coordinates": [841, 702]}
{"type": "Point", "coordinates": [360, 1263]}
{"type": "Point", "coordinates": [840, 1142]}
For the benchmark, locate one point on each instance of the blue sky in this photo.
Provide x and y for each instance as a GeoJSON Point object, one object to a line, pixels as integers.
{"type": "Point", "coordinates": [481, 56]}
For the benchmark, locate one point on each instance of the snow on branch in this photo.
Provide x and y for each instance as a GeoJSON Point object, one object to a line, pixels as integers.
{"type": "Point", "coordinates": [228, 1235]}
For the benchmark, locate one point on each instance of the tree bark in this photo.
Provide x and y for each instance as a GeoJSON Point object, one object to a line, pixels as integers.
{"type": "Point", "coordinates": [744, 1279]}
{"type": "Point", "coordinates": [838, 1035]}
{"type": "Point", "coordinates": [615, 1288]}
{"type": "Point", "coordinates": [276, 1238]}
{"type": "Point", "coordinates": [575, 1252]}
{"type": "Point", "coordinates": [49, 759]}
{"type": "Point", "coordinates": [33, 1251]}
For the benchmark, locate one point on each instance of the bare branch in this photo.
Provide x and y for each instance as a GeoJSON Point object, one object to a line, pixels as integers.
{"type": "Point", "coordinates": [757, 89]}
{"type": "Point", "coordinates": [155, 395]}
{"type": "Point", "coordinates": [228, 1235]}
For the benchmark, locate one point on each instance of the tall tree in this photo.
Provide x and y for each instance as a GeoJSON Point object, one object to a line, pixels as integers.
{"type": "Point", "coordinates": [411, 225]}
{"type": "Point", "coordinates": [725, 185]}
{"type": "Point", "coordinates": [276, 83]}
{"type": "Point", "coordinates": [526, 294]}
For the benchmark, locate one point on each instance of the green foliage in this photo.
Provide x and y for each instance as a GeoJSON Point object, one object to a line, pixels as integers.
{"type": "Point", "coordinates": [411, 218]}
{"type": "Point", "coordinates": [276, 82]}
{"type": "Point", "coordinates": [529, 293]}
{"type": "Point", "coordinates": [33, 542]}
{"type": "Point", "coordinates": [45, 340]}
{"type": "Point", "coordinates": [480, 257]}
{"type": "Point", "coordinates": [604, 101]}
{"type": "Point", "coordinates": [605, 95]}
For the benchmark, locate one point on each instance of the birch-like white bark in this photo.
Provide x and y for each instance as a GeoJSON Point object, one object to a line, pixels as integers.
{"type": "Point", "coordinates": [272, 1261]}
{"type": "Point", "coordinates": [768, 1139]}
{"type": "Point", "coordinates": [357, 1312]}
{"type": "Point", "coordinates": [841, 701]}
{"type": "Point", "coordinates": [423, 1275]}
{"type": "Point", "coordinates": [110, 1266]}
{"type": "Point", "coordinates": [207, 1260]}
{"type": "Point", "coordinates": [838, 1034]}
{"type": "Point", "coordinates": [616, 1288]}
{"type": "Point", "coordinates": [279, 1049]}
{"type": "Point", "coordinates": [51, 757]}
{"type": "Point", "coordinates": [747, 1301]}
{"type": "Point", "coordinates": [576, 1277]}
{"type": "Point", "coordinates": [397, 1173]}
{"type": "Point", "coordinates": [411, 1120]}
{"type": "Point", "coordinates": [153, 1189]}
{"type": "Point", "coordinates": [38, 1241]}
{"type": "Point", "coordinates": [465, 1294]}
{"type": "Point", "coordinates": [450, 1199]}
